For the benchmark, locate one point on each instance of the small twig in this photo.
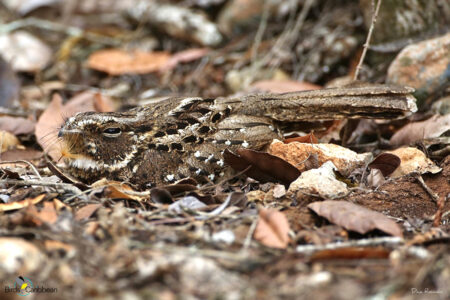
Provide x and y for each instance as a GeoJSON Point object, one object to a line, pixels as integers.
{"type": "Point", "coordinates": [248, 238]}
{"type": "Point", "coordinates": [260, 32]}
{"type": "Point", "coordinates": [26, 162]}
{"type": "Point", "coordinates": [287, 38]}
{"type": "Point", "coordinates": [440, 201]}
{"type": "Point", "coordinates": [430, 192]}
{"type": "Point", "coordinates": [440, 208]}
{"type": "Point", "coordinates": [366, 167]}
{"type": "Point", "coordinates": [395, 218]}
{"type": "Point", "coordinates": [216, 211]}
{"type": "Point", "coordinates": [53, 26]}
{"type": "Point", "coordinates": [369, 36]}
{"type": "Point", "coordinates": [82, 194]}
{"type": "Point", "coordinates": [65, 186]}
{"type": "Point", "coordinates": [388, 241]}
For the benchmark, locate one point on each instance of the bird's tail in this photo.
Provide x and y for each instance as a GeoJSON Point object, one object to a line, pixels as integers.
{"type": "Point", "coordinates": [362, 101]}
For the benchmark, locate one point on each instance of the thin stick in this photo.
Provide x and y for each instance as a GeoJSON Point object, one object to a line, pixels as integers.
{"type": "Point", "coordinates": [53, 26]}
{"type": "Point", "coordinates": [440, 208]}
{"type": "Point", "coordinates": [66, 186]}
{"type": "Point", "coordinates": [287, 37]}
{"type": "Point", "coordinates": [369, 36]}
{"type": "Point", "coordinates": [25, 162]}
{"type": "Point", "coordinates": [216, 211]}
{"type": "Point", "coordinates": [371, 242]}
{"type": "Point", "coordinates": [440, 201]}
{"type": "Point", "coordinates": [430, 192]}
{"type": "Point", "coordinates": [260, 32]}
{"type": "Point", "coordinates": [248, 238]}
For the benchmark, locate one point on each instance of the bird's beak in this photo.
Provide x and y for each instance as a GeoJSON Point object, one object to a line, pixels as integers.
{"type": "Point", "coordinates": [63, 132]}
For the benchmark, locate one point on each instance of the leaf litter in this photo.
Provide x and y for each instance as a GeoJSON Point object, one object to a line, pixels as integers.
{"type": "Point", "coordinates": [247, 235]}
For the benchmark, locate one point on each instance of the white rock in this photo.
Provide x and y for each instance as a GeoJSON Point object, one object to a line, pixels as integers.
{"type": "Point", "coordinates": [321, 181]}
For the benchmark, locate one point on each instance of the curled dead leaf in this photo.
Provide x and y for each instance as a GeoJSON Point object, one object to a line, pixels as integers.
{"type": "Point", "coordinates": [430, 128]}
{"type": "Point", "coordinates": [118, 62]}
{"type": "Point", "coordinates": [16, 125]}
{"type": "Point", "coordinates": [261, 166]}
{"type": "Point", "coordinates": [118, 190]}
{"type": "Point", "coordinates": [86, 211]}
{"type": "Point", "coordinates": [46, 214]}
{"type": "Point", "coordinates": [386, 163]}
{"type": "Point", "coordinates": [184, 57]}
{"type": "Point", "coordinates": [22, 203]}
{"type": "Point", "coordinates": [355, 217]}
{"type": "Point", "coordinates": [309, 138]}
{"type": "Point", "coordinates": [272, 229]}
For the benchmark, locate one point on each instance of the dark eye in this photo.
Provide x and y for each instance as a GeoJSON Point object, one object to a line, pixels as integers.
{"type": "Point", "coordinates": [112, 131]}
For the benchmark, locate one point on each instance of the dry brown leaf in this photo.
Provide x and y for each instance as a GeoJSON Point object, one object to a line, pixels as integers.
{"type": "Point", "coordinates": [86, 211]}
{"type": "Point", "coordinates": [102, 103]}
{"type": "Point", "coordinates": [87, 101]}
{"type": "Point", "coordinates": [53, 117]}
{"type": "Point", "coordinates": [261, 166]}
{"type": "Point", "coordinates": [16, 125]}
{"type": "Point", "coordinates": [47, 127]}
{"type": "Point", "coordinates": [59, 205]}
{"type": "Point", "coordinates": [309, 138]}
{"type": "Point", "coordinates": [46, 214]}
{"type": "Point", "coordinates": [21, 204]}
{"type": "Point", "coordinates": [184, 57]}
{"type": "Point", "coordinates": [117, 190]}
{"type": "Point", "coordinates": [386, 163]}
{"type": "Point", "coordinates": [118, 62]}
{"type": "Point", "coordinates": [413, 132]}
{"type": "Point", "coordinates": [19, 154]}
{"type": "Point", "coordinates": [355, 217]}
{"type": "Point", "coordinates": [272, 229]}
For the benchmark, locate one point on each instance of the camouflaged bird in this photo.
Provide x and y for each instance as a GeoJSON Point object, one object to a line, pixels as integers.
{"type": "Point", "coordinates": [175, 138]}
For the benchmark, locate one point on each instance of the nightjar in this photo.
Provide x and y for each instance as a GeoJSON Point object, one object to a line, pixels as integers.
{"type": "Point", "coordinates": [171, 139]}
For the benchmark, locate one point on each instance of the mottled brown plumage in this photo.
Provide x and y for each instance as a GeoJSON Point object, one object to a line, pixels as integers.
{"type": "Point", "coordinates": [185, 137]}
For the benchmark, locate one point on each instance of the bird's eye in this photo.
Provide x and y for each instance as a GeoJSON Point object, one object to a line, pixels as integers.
{"type": "Point", "coordinates": [112, 131]}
